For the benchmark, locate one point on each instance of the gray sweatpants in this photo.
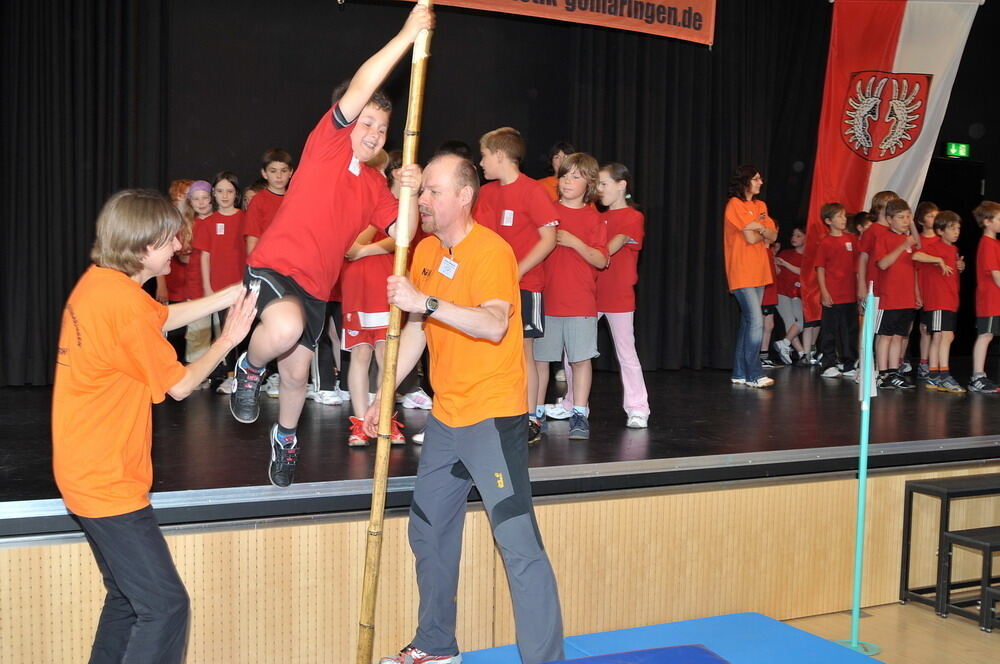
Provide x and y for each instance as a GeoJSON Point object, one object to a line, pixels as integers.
{"type": "Point", "coordinates": [493, 454]}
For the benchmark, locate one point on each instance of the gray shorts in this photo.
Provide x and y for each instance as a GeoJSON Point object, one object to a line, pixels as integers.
{"type": "Point", "coordinates": [577, 334]}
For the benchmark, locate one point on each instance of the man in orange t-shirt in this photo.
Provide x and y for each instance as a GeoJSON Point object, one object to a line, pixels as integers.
{"type": "Point", "coordinates": [113, 364]}
{"type": "Point", "coordinates": [462, 295]}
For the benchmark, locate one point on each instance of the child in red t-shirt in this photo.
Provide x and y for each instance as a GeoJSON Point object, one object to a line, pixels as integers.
{"type": "Point", "coordinates": [297, 261]}
{"type": "Point", "coordinates": [987, 294]}
{"type": "Point", "coordinates": [219, 238]}
{"type": "Point", "coordinates": [276, 169]}
{"type": "Point", "coordinates": [199, 332]}
{"type": "Point", "coordinates": [924, 216]}
{"type": "Point", "coordinates": [939, 292]}
{"type": "Point", "coordinates": [897, 290]}
{"type": "Point", "coordinates": [867, 271]}
{"type": "Point", "coordinates": [571, 288]}
{"type": "Point", "coordinates": [519, 210]}
{"type": "Point", "coordinates": [788, 263]}
{"type": "Point", "coordinates": [365, 320]}
{"type": "Point", "coordinates": [616, 286]}
{"type": "Point", "coordinates": [836, 279]}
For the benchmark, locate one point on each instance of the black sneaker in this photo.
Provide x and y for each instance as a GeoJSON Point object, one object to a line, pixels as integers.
{"type": "Point", "coordinates": [984, 385]}
{"type": "Point", "coordinates": [767, 363]}
{"type": "Point", "coordinates": [905, 382]}
{"type": "Point", "coordinates": [282, 467]}
{"type": "Point", "coordinates": [885, 382]}
{"type": "Point", "coordinates": [534, 431]}
{"type": "Point", "coordinates": [244, 401]}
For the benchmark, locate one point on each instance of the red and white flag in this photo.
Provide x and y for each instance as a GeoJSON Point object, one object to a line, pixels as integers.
{"type": "Point", "coordinates": [889, 76]}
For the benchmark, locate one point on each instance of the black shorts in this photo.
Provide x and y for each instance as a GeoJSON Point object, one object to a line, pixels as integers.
{"type": "Point", "coordinates": [768, 309]}
{"type": "Point", "coordinates": [532, 314]}
{"type": "Point", "coordinates": [274, 286]}
{"type": "Point", "coordinates": [941, 320]}
{"type": "Point", "coordinates": [987, 324]}
{"type": "Point", "coordinates": [893, 322]}
{"type": "Point", "coordinates": [811, 323]}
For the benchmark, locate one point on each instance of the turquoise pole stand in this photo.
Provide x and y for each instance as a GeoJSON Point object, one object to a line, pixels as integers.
{"type": "Point", "coordinates": [867, 385]}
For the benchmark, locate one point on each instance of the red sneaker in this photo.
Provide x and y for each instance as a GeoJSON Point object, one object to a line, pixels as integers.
{"type": "Point", "coordinates": [397, 438]}
{"type": "Point", "coordinates": [358, 437]}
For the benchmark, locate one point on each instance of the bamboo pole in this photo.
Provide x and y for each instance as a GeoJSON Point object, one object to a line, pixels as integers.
{"type": "Point", "coordinates": [404, 222]}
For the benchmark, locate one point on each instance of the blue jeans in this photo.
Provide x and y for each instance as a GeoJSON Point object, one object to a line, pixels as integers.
{"type": "Point", "coordinates": [746, 360]}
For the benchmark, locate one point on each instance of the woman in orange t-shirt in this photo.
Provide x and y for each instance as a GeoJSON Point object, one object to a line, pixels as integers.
{"type": "Point", "coordinates": [556, 156]}
{"type": "Point", "coordinates": [747, 232]}
{"type": "Point", "coordinates": [113, 364]}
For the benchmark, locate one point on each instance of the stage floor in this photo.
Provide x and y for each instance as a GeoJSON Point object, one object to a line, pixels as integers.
{"type": "Point", "coordinates": [702, 428]}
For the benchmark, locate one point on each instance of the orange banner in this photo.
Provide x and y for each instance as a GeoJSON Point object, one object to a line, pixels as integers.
{"type": "Point", "coordinates": [691, 20]}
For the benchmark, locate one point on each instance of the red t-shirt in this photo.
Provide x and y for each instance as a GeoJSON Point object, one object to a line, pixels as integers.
{"type": "Point", "coordinates": [363, 290]}
{"type": "Point", "coordinates": [515, 212]}
{"type": "Point", "coordinates": [261, 213]}
{"type": "Point", "coordinates": [839, 261]}
{"type": "Point", "coordinates": [938, 291]}
{"type": "Point", "coordinates": [223, 238]}
{"type": "Point", "coordinates": [896, 285]}
{"type": "Point", "coordinates": [570, 281]}
{"type": "Point", "coordinates": [922, 269]}
{"type": "Point", "coordinates": [987, 292]}
{"type": "Point", "coordinates": [177, 290]}
{"type": "Point", "coordinates": [787, 281]}
{"type": "Point", "coordinates": [770, 297]}
{"type": "Point", "coordinates": [867, 245]}
{"type": "Point", "coordinates": [335, 197]}
{"type": "Point", "coordinates": [616, 284]}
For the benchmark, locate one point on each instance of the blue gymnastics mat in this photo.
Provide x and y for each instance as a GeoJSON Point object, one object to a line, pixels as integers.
{"type": "Point", "coordinates": [738, 638]}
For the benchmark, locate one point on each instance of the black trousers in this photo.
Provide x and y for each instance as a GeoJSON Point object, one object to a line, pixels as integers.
{"type": "Point", "coordinates": [838, 337]}
{"type": "Point", "coordinates": [146, 611]}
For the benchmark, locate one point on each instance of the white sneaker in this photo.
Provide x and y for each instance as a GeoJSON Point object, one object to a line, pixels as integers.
{"type": "Point", "coordinates": [738, 381]}
{"type": "Point", "coordinates": [417, 399]}
{"type": "Point", "coordinates": [556, 411]}
{"type": "Point", "coordinates": [784, 348]}
{"type": "Point", "coordinates": [560, 376]}
{"type": "Point", "coordinates": [637, 420]}
{"type": "Point", "coordinates": [850, 373]}
{"type": "Point", "coordinates": [326, 397]}
{"type": "Point", "coordinates": [228, 386]}
{"type": "Point", "coordinates": [905, 367]}
{"type": "Point", "coordinates": [761, 382]}
{"type": "Point", "coordinates": [271, 385]}
{"type": "Point", "coordinates": [418, 438]}
{"type": "Point", "coordinates": [831, 372]}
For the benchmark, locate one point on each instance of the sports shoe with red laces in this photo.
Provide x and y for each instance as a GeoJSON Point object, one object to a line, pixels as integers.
{"type": "Point", "coordinates": [397, 437]}
{"type": "Point", "coordinates": [357, 437]}
{"type": "Point", "coordinates": [411, 655]}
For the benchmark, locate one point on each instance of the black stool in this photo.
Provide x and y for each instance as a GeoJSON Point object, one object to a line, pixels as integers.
{"type": "Point", "coordinates": [992, 617]}
{"type": "Point", "coordinates": [986, 541]}
{"type": "Point", "coordinates": [946, 489]}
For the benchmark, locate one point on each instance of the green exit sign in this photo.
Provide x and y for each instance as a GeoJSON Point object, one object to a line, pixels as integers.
{"type": "Point", "coordinates": [957, 149]}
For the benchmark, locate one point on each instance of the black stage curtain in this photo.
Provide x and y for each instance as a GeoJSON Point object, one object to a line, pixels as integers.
{"type": "Point", "coordinates": [81, 118]}
{"type": "Point", "coordinates": [683, 117]}
{"type": "Point", "coordinates": [105, 94]}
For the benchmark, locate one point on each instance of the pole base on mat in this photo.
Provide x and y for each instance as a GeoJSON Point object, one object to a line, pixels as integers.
{"type": "Point", "coordinates": [863, 647]}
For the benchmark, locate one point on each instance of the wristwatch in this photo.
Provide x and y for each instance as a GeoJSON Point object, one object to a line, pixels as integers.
{"type": "Point", "coordinates": [430, 306]}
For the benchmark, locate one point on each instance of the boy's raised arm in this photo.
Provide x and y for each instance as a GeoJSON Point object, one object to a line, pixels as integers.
{"type": "Point", "coordinates": [375, 70]}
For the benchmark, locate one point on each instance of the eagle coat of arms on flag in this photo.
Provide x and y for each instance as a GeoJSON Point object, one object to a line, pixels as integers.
{"type": "Point", "coordinates": [883, 113]}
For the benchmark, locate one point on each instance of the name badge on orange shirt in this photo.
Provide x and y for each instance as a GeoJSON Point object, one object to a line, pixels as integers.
{"type": "Point", "coordinates": [220, 228]}
{"type": "Point", "coordinates": [508, 218]}
{"type": "Point", "coordinates": [448, 267]}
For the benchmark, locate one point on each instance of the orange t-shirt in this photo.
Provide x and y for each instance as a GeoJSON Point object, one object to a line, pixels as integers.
{"type": "Point", "coordinates": [473, 379]}
{"type": "Point", "coordinates": [747, 265]}
{"type": "Point", "coordinates": [113, 364]}
{"type": "Point", "coordinates": [551, 185]}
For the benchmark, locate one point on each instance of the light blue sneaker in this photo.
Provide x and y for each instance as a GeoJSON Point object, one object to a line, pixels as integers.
{"type": "Point", "coordinates": [579, 427]}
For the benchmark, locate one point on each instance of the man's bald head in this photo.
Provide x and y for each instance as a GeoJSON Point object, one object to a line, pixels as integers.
{"type": "Point", "coordinates": [460, 171]}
